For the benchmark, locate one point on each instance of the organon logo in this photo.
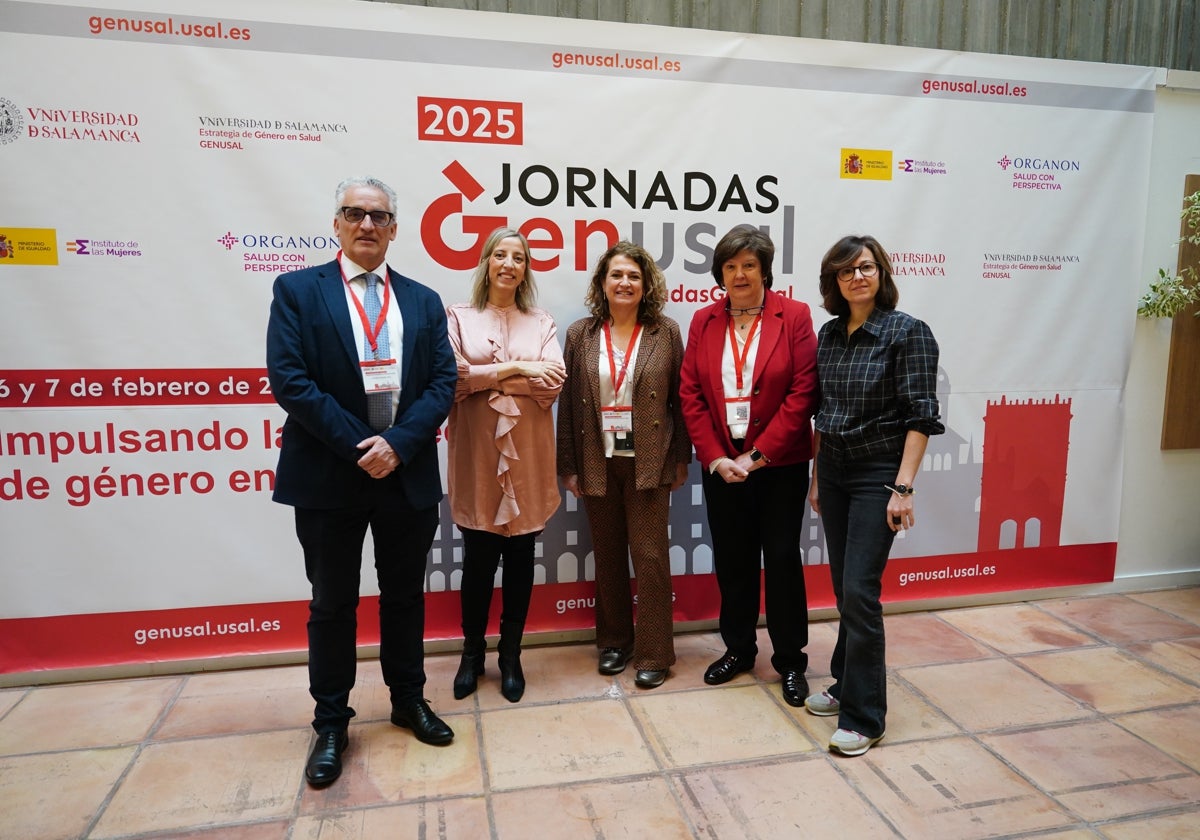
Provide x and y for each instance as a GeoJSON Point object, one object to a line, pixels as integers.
{"type": "Point", "coordinates": [1004, 163]}
{"type": "Point", "coordinates": [277, 252]}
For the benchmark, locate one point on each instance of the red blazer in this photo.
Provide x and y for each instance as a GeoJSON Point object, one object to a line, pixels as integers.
{"type": "Point", "coordinates": [784, 396]}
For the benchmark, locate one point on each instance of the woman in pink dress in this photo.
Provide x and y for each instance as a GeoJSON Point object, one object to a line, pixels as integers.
{"type": "Point", "coordinates": [501, 464]}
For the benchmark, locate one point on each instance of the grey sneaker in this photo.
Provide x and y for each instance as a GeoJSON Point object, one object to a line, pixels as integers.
{"type": "Point", "coordinates": [823, 704]}
{"type": "Point", "coordinates": [846, 742]}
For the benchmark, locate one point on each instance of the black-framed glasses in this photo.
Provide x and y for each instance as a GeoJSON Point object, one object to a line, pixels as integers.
{"type": "Point", "coordinates": [867, 269]}
{"type": "Point", "coordinates": [354, 215]}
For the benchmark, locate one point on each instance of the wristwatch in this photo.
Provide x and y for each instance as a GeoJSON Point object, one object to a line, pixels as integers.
{"type": "Point", "coordinates": [901, 489]}
{"type": "Point", "coordinates": [755, 455]}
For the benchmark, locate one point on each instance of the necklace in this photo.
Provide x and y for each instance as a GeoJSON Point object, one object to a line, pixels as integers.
{"type": "Point", "coordinates": [735, 313]}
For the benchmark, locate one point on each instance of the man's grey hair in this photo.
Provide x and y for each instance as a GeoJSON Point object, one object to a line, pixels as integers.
{"type": "Point", "coordinates": [363, 181]}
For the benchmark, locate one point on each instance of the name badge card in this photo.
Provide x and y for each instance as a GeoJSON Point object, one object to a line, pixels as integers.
{"type": "Point", "coordinates": [380, 375]}
{"type": "Point", "coordinates": [616, 418]}
{"type": "Point", "coordinates": [737, 410]}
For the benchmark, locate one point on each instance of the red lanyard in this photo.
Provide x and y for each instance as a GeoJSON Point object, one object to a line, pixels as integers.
{"type": "Point", "coordinates": [371, 332]}
{"type": "Point", "coordinates": [739, 362]}
{"type": "Point", "coordinates": [612, 363]}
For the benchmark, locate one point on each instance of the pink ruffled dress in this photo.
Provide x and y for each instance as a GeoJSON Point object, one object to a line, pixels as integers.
{"type": "Point", "coordinates": [501, 462]}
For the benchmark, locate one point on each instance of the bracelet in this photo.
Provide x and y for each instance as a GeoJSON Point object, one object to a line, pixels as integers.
{"type": "Point", "coordinates": [900, 489]}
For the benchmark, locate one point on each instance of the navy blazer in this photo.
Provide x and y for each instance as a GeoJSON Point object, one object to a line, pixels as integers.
{"type": "Point", "coordinates": [312, 363]}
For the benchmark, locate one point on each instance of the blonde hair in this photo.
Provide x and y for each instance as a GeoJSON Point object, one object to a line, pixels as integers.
{"type": "Point", "coordinates": [526, 292]}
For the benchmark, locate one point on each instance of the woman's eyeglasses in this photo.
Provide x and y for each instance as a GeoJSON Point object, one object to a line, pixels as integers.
{"type": "Point", "coordinates": [867, 269]}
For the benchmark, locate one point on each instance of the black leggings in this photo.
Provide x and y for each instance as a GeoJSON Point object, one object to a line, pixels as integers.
{"type": "Point", "coordinates": [482, 553]}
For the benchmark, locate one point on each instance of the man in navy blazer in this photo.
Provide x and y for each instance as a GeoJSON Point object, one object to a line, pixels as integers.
{"type": "Point", "coordinates": [342, 475]}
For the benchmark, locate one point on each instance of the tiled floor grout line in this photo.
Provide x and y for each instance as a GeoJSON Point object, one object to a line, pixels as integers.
{"type": "Point", "coordinates": [1145, 722]}
{"type": "Point", "coordinates": [140, 746]}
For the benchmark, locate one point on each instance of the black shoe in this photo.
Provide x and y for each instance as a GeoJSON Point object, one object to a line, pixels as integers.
{"type": "Point", "coordinates": [470, 668]}
{"type": "Point", "coordinates": [647, 678]}
{"type": "Point", "coordinates": [613, 661]}
{"type": "Point", "coordinates": [325, 760]}
{"type": "Point", "coordinates": [726, 668]}
{"type": "Point", "coordinates": [428, 727]}
{"type": "Point", "coordinates": [795, 688]}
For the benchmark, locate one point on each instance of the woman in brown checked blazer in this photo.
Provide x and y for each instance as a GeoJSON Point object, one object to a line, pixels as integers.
{"type": "Point", "coordinates": [623, 447]}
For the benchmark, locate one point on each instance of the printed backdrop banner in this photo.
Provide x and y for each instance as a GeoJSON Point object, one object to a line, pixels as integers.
{"type": "Point", "coordinates": [161, 163]}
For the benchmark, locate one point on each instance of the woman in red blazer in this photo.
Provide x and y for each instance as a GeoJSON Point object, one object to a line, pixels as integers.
{"type": "Point", "coordinates": [749, 391]}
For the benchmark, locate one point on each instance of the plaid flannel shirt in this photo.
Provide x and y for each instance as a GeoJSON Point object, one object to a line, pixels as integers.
{"type": "Point", "coordinates": [876, 385]}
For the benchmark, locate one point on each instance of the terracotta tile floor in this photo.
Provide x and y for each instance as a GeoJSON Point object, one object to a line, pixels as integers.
{"type": "Point", "coordinates": [1063, 718]}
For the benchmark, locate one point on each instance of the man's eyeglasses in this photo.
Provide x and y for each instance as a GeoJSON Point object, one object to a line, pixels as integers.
{"type": "Point", "coordinates": [354, 215]}
{"type": "Point", "coordinates": [868, 269]}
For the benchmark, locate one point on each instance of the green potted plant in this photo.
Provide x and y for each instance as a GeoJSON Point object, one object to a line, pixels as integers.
{"type": "Point", "coordinates": [1173, 293]}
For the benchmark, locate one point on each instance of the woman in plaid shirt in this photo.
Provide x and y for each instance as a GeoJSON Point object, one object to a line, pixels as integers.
{"type": "Point", "coordinates": [877, 369]}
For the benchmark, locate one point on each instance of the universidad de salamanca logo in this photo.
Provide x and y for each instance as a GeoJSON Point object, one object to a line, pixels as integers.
{"type": "Point", "coordinates": [11, 121]}
{"type": "Point", "coordinates": [76, 124]}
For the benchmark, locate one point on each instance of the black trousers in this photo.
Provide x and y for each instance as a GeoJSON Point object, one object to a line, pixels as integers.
{"type": "Point", "coordinates": [756, 525]}
{"type": "Point", "coordinates": [333, 545]}
{"type": "Point", "coordinates": [482, 553]}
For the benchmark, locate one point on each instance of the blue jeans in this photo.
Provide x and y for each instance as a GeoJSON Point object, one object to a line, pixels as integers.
{"type": "Point", "coordinates": [857, 537]}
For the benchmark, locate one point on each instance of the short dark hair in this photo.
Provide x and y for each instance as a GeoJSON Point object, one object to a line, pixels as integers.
{"type": "Point", "coordinates": [654, 285]}
{"type": "Point", "coordinates": [844, 252]}
{"type": "Point", "coordinates": [744, 238]}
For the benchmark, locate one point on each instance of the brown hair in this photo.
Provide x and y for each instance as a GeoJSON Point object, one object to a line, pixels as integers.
{"type": "Point", "coordinates": [654, 284]}
{"type": "Point", "coordinates": [844, 252]}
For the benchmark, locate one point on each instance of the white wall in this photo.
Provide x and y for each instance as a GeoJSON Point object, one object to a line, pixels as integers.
{"type": "Point", "coordinates": [1159, 540]}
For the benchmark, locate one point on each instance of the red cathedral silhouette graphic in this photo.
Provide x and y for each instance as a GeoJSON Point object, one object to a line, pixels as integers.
{"type": "Point", "coordinates": [1024, 473]}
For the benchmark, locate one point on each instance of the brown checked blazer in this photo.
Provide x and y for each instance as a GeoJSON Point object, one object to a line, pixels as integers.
{"type": "Point", "coordinates": [660, 437]}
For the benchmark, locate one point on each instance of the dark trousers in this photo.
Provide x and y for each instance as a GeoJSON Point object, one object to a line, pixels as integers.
{"type": "Point", "coordinates": [482, 553]}
{"type": "Point", "coordinates": [757, 525]}
{"type": "Point", "coordinates": [333, 544]}
{"type": "Point", "coordinates": [630, 523]}
{"type": "Point", "coordinates": [857, 537]}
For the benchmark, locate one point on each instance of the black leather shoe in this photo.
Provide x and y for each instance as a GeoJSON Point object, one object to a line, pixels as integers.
{"type": "Point", "coordinates": [613, 661]}
{"type": "Point", "coordinates": [647, 678]}
{"type": "Point", "coordinates": [795, 688]}
{"type": "Point", "coordinates": [726, 668]}
{"type": "Point", "coordinates": [428, 727]}
{"type": "Point", "coordinates": [325, 760]}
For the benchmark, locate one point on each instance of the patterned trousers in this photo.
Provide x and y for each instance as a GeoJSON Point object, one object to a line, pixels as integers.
{"type": "Point", "coordinates": [630, 523]}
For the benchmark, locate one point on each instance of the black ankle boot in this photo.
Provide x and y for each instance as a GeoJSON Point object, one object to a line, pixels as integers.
{"type": "Point", "coordinates": [470, 668]}
{"type": "Point", "coordinates": [512, 678]}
